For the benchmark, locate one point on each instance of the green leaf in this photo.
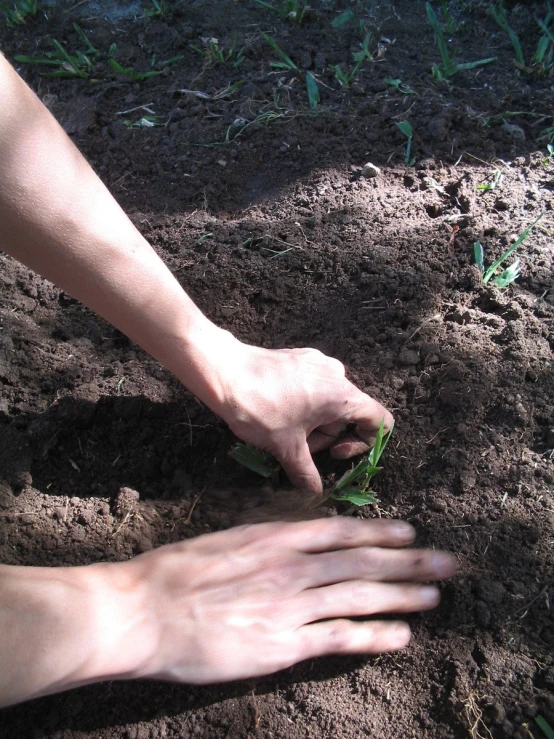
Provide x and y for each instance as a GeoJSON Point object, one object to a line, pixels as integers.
{"type": "Point", "coordinates": [406, 128]}
{"type": "Point", "coordinates": [506, 277]}
{"type": "Point", "coordinates": [313, 90]}
{"type": "Point", "coordinates": [479, 255]}
{"type": "Point", "coordinates": [545, 727]}
{"type": "Point", "coordinates": [343, 18]}
{"type": "Point", "coordinates": [254, 459]}
{"type": "Point", "coordinates": [492, 269]}
{"type": "Point", "coordinates": [355, 496]}
{"type": "Point", "coordinates": [280, 53]}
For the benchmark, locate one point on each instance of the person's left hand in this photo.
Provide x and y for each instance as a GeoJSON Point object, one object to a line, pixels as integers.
{"type": "Point", "coordinates": [293, 402]}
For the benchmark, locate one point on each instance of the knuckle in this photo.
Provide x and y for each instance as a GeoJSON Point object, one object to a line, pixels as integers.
{"type": "Point", "coordinates": [338, 636]}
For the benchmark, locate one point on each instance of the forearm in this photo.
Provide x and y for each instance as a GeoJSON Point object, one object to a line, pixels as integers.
{"type": "Point", "coordinates": [63, 627]}
{"type": "Point", "coordinates": [57, 217]}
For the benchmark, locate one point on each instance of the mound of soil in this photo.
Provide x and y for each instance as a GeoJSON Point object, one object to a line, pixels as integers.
{"type": "Point", "coordinates": [263, 208]}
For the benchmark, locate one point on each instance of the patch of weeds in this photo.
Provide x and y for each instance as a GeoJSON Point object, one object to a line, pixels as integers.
{"type": "Point", "coordinates": [66, 64]}
{"type": "Point", "coordinates": [545, 727]}
{"type": "Point", "coordinates": [353, 486]}
{"type": "Point", "coordinates": [290, 10]}
{"type": "Point", "coordinates": [82, 63]}
{"type": "Point", "coordinates": [213, 53]}
{"type": "Point", "coordinates": [511, 273]}
{"type": "Point", "coordinates": [449, 67]}
{"type": "Point", "coordinates": [542, 60]}
{"type": "Point", "coordinates": [408, 131]}
{"type": "Point", "coordinates": [496, 182]}
{"type": "Point", "coordinates": [286, 63]}
{"type": "Point", "coordinates": [18, 13]}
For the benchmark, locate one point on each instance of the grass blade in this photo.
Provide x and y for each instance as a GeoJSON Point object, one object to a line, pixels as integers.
{"type": "Point", "coordinates": [313, 90]}
{"type": "Point", "coordinates": [492, 269]}
{"type": "Point", "coordinates": [545, 727]}
{"type": "Point", "coordinates": [280, 53]}
{"type": "Point", "coordinates": [479, 256]}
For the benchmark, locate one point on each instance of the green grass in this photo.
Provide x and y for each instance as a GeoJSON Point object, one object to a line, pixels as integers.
{"type": "Point", "coordinates": [449, 67]}
{"type": "Point", "coordinates": [543, 58]}
{"type": "Point", "coordinates": [511, 273]}
{"type": "Point", "coordinates": [17, 13]}
{"type": "Point", "coordinates": [215, 54]}
{"type": "Point", "coordinates": [408, 131]}
{"type": "Point", "coordinates": [290, 10]}
{"type": "Point", "coordinates": [545, 727]}
{"type": "Point", "coordinates": [353, 487]}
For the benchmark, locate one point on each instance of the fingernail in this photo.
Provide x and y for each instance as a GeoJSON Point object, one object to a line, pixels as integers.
{"type": "Point", "coordinates": [399, 635]}
{"type": "Point", "coordinates": [429, 595]}
{"type": "Point", "coordinates": [402, 530]}
{"type": "Point", "coordinates": [443, 565]}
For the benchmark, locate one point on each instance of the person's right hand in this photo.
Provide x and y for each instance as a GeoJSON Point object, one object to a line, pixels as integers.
{"type": "Point", "coordinates": [255, 599]}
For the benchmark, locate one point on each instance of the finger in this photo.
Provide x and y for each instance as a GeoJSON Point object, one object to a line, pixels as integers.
{"type": "Point", "coordinates": [346, 637]}
{"type": "Point", "coordinates": [349, 446]}
{"type": "Point", "coordinates": [360, 598]}
{"type": "Point", "coordinates": [381, 565]}
{"type": "Point", "coordinates": [300, 468]}
{"type": "Point", "coordinates": [341, 532]}
{"type": "Point", "coordinates": [318, 441]}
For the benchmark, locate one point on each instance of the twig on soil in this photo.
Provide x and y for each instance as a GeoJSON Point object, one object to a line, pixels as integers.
{"type": "Point", "coordinates": [525, 609]}
{"type": "Point", "coordinates": [193, 506]}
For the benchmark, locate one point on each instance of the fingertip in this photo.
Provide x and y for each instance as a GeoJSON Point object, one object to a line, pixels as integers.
{"type": "Point", "coordinates": [403, 531]}
{"type": "Point", "coordinates": [399, 635]}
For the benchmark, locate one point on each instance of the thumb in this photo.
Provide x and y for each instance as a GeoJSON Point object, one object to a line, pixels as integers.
{"type": "Point", "coordinates": [300, 468]}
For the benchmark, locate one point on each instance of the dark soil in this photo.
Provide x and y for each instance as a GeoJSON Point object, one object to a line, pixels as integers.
{"type": "Point", "coordinates": [280, 237]}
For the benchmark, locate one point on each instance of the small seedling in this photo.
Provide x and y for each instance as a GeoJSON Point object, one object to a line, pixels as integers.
{"type": "Point", "coordinates": [449, 67]}
{"type": "Point", "coordinates": [450, 25]}
{"type": "Point", "coordinates": [343, 18]}
{"type": "Point", "coordinates": [19, 12]}
{"type": "Point", "coordinates": [291, 10]}
{"type": "Point", "coordinates": [497, 181]}
{"type": "Point", "coordinates": [214, 54]}
{"type": "Point", "coordinates": [542, 60]}
{"type": "Point", "coordinates": [312, 90]}
{"type": "Point", "coordinates": [400, 86]}
{"type": "Point", "coordinates": [353, 486]}
{"type": "Point", "coordinates": [408, 131]}
{"type": "Point", "coordinates": [511, 273]}
{"type": "Point", "coordinates": [66, 64]}
{"type": "Point", "coordinates": [286, 62]}
{"type": "Point", "coordinates": [545, 727]}
{"type": "Point", "coordinates": [157, 10]}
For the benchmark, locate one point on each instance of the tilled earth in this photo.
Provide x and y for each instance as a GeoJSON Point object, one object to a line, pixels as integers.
{"type": "Point", "coordinates": [262, 208]}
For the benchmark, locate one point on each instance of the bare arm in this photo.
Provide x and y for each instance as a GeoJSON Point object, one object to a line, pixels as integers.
{"type": "Point", "coordinates": [231, 605]}
{"type": "Point", "coordinates": [57, 217]}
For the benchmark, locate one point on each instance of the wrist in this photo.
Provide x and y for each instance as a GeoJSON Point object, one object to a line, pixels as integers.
{"type": "Point", "coordinates": [68, 626]}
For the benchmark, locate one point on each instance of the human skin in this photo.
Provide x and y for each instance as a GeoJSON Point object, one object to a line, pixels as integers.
{"type": "Point", "coordinates": [57, 217]}
{"type": "Point", "coordinates": [224, 606]}
{"type": "Point", "coordinates": [235, 604]}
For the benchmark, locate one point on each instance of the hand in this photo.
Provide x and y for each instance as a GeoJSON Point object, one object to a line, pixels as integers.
{"type": "Point", "coordinates": [293, 402]}
{"type": "Point", "coordinates": [256, 599]}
